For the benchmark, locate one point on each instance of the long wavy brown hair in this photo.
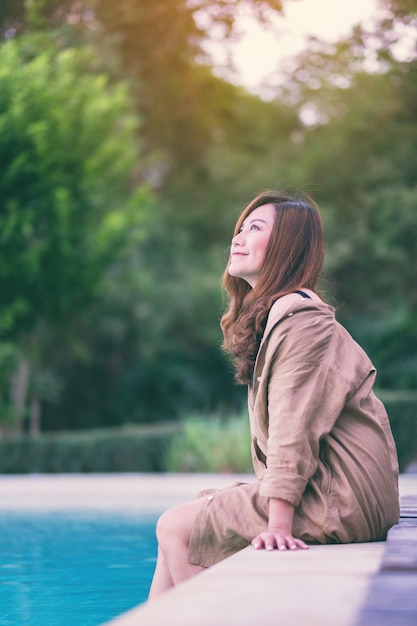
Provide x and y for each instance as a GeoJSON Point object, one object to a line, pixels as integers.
{"type": "Point", "coordinates": [293, 260]}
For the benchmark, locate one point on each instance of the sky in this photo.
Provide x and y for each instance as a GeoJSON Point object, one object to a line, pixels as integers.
{"type": "Point", "coordinates": [260, 50]}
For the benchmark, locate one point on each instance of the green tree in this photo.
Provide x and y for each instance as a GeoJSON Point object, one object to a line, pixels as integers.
{"type": "Point", "coordinates": [358, 151]}
{"type": "Point", "coordinates": [66, 200]}
{"type": "Point", "coordinates": [168, 355]}
{"type": "Point", "coordinates": [157, 44]}
{"type": "Point", "coordinates": [148, 348]}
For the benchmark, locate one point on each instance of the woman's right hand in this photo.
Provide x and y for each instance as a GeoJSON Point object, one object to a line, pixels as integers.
{"type": "Point", "coordinates": [277, 538]}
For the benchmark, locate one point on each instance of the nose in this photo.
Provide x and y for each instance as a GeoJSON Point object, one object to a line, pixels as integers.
{"type": "Point", "coordinates": [237, 239]}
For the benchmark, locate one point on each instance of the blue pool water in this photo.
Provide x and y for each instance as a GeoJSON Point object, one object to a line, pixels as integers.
{"type": "Point", "coordinates": [73, 569]}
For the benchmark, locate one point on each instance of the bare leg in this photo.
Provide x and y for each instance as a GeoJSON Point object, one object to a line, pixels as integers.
{"type": "Point", "coordinates": [162, 580]}
{"type": "Point", "coordinates": [173, 532]}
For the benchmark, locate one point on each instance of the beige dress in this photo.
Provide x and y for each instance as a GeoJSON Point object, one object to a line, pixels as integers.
{"type": "Point", "coordinates": [321, 440]}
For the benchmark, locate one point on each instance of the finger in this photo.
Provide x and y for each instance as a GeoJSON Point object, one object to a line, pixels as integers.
{"type": "Point", "coordinates": [257, 544]}
{"type": "Point", "coordinates": [295, 544]}
{"type": "Point", "coordinates": [282, 543]}
{"type": "Point", "coordinates": [287, 543]}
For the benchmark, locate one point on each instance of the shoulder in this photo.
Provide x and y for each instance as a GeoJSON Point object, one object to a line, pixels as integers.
{"type": "Point", "coordinates": [294, 311]}
{"type": "Point", "coordinates": [298, 329]}
{"type": "Point", "coordinates": [306, 330]}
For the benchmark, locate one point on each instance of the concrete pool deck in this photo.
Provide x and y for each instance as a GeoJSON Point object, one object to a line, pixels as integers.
{"type": "Point", "coordinates": [142, 493]}
{"type": "Point", "coordinates": [326, 585]}
{"type": "Point", "coordinates": [335, 585]}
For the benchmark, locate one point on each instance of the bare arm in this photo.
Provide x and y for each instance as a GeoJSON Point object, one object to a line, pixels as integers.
{"type": "Point", "coordinates": [279, 533]}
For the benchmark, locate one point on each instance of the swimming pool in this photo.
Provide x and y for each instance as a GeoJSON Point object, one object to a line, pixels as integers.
{"type": "Point", "coordinates": [70, 568]}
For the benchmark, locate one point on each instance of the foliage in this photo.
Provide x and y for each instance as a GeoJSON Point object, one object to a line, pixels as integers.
{"type": "Point", "coordinates": [112, 295]}
{"type": "Point", "coordinates": [59, 222]}
{"type": "Point", "coordinates": [159, 45]}
{"type": "Point", "coordinates": [402, 410]}
{"type": "Point", "coordinates": [66, 153]}
{"type": "Point", "coordinates": [153, 355]}
{"type": "Point", "coordinates": [214, 444]}
{"type": "Point", "coordinates": [358, 150]}
{"type": "Point", "coordinates": [201, 443]}
{"type": "Point", "coordinates": [8, 363]}
{"type": "Point", "coordinates": [146, 353]}
{"type": "Point", "coordinates": [211, 444]}
{"type": "Point", "coordinates": [119, 450]}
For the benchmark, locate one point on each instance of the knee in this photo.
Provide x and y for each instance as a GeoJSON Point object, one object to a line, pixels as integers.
{"type": "Point", "coordinates": [174, 527]}
{"type": "Point", "coordinates": [168, 528]}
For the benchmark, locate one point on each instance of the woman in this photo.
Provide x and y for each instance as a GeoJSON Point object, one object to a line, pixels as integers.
{"type": "Point", "coordinates": [322, 448]}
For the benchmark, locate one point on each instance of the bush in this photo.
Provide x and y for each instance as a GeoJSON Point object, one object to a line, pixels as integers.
{"type": "Point", "coordinates": [133, 449]}
{"type": "Point", "coordinates": [402, 410]}
{"type": "Point", "coordinates": [200, 444]}
{"type": "Point", "coordinates": [223, 445]}
{"type": "Point", "coordinates": [211, 444]}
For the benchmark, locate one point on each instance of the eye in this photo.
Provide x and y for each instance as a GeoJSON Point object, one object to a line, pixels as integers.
{"type": "Point", "coordinates": [254, 227]}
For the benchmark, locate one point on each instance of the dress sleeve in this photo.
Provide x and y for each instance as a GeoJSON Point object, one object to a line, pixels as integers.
{"type": "Point", "coordinates": [305, 397]}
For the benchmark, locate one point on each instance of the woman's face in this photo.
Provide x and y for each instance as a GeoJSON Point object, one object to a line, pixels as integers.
{"type": "Point", "coordinates": [250, 243]}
